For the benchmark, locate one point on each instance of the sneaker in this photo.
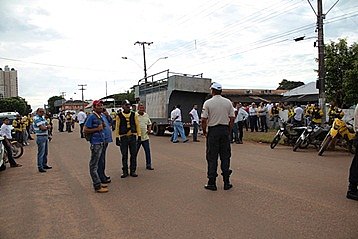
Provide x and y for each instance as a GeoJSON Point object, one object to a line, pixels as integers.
{"type": "Point", "coordinates": [185, 140]}
{"type": "Point", "coordinates": [102, 190]}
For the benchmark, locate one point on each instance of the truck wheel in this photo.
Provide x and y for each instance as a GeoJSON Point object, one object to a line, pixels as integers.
{"type": "Point", "coordinates": [187, 131]}
{"type": "Point", "coordinates": [155, 129]}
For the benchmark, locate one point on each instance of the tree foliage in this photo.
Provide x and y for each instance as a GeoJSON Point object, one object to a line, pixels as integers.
{"type": "Point", "coordinates": [129, 95]}
{"type": "Point", "coordinates": [341, 81]}
{"type": "Point", "coordinates": [289, 85]}
{"type": "Point", "coordinates": [15, 104]}
{"type": "Point", "coordinates": [51, 104]}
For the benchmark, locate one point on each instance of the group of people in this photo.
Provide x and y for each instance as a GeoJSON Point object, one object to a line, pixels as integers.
{"type": "Point", "coordinates": [23, 128]}
{"type": "Point", "coordinates": [131, 132]}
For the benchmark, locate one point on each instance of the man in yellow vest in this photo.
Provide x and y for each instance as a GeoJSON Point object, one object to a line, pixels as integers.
{"type": "Point", "coordinates": [127, 133]}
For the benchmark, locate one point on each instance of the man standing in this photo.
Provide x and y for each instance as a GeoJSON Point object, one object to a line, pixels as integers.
{"type": "Point", "coordinates": [218, 115]}
{"type": "Point", "coordinates": [195, 122]}
{"type": "Point", "coordinates": [298, 115]}
{"type": "Point", "coordinates": [127, 130]}
{"type": "Point", "coordinates": [145, 128]}
{"type": "Point", "coordinates": [5, 131]}
{"type": "Point", "coordinates": [253, 117]}
{"type": "Point", "coordinates": [81, 117]}
{"type": "Point", "coordinates": [353, 171]}
{"type": "Point", "coordinates": [61, 121]}
{"type": "Point", "coordinates": [178, 125]}
{"type": "Point", "coordinates": [239, 122]}
{"type": "Point", "coordinates": [41, 127]}
{"type": "Point", "coordinates": [107, 139]}
{"type": "Point", "coordinates": [94, 125]}
{"type": "Point", "coordinates": [68, 119]}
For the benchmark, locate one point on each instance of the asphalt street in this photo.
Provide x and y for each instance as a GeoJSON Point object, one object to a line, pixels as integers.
{"type": "Point", "coordinates": [277, 194]}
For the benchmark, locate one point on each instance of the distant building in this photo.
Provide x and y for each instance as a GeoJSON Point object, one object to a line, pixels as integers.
{"type": "Point", "coordinates": [302, 94]}
{"type": "Point", "coordinates": [253, 95]}
{"type": "Point", "coordinates": [8, 83]}
{"type": "Point", "coordinates": [73, 105]}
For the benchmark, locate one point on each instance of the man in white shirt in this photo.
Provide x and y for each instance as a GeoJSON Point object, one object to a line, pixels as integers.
{"type": "Point", "coordinates": [353, 171]}
{"type": "Point", "coordinates": [297, 117]}
{"type": "Point", "coordinates": [178, 125]}
{"type": "Point", "coordinates": [218, 115]}
{"type": "Point", "coordinates": [5, 132]}
{"type": "Point", "coordinates": [81, 117]}
{"type": "Point", "coordinates": [241, 116]}
{"type": "Point", "coordinates": [195, 122]}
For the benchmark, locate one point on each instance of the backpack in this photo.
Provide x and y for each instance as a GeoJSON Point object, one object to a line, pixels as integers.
{"type": "Point", "coordinates": [88, 136]}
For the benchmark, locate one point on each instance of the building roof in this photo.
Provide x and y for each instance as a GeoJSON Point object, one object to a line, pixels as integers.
{"type": "Point", "coordinates": [307, 89]}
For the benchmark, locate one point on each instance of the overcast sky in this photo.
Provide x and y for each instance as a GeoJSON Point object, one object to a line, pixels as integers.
{"type": "Point", "coordinates": [241, 44]}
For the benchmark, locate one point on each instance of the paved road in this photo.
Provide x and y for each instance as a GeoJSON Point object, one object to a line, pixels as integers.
{"type": "Point", "coordinates": [276, 194]}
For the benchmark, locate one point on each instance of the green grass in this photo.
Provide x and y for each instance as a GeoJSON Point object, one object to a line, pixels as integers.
{"type": "Point", "coordinates": [260, 137]}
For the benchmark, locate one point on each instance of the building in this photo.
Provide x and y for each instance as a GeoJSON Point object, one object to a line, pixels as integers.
{"type": "Point", "coordinates": [253, 95]}
{"type": "Point", "coordinates": [302, 94]}
{"type": "Point", "coordinates": [8, 83]}
{"type": "Point", "coordinates": [73, 105]}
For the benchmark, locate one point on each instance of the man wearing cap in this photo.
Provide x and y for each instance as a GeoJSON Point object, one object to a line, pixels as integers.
{"type": "Point", "coordinates": [127, 130]}
{"type": "Point", "coordinates": [218, 114]}
{"type": "Point", "coordinates": [94, 126]}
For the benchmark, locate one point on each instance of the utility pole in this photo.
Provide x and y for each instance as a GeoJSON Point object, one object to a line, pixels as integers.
{"type": "Point", "coordinates": [145, 64]}
{"type": "Point", "coordinates": [83, 102]}
{"type": "Point", "coordinates": [321, 67]}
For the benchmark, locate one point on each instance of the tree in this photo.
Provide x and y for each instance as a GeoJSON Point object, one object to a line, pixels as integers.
{"type": "Point", "coordinates": [341, 81]}
{"type": "Point", "coordinates": [124, 96]}
{"type": "Point", "coordinates": [51, 104]}
{"type": "Point", "coordinates": [15, 104]}
{"type": "Point", "coordinates": [289, 85]}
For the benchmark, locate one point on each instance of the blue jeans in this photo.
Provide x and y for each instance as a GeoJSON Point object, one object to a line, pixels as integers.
{"type": "Point", "coordinates": [178, 128]}
{"type": "Point", "coordinates": [102, 163]}
{"type": "Point", "coordinates": [96, 151]}
{"type": "Point", "coordinates": [42, 150]}
{"type": "Point", "coordinates": [145, 144]}
{"type": "Point", "coordinates": [195, 130]}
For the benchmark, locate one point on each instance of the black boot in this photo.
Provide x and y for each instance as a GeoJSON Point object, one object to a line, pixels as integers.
{"type": "Point", "coordinates": [124, 174]}
{"type": "Point", "coordinates": [226, 178]}
{"type": "Point", "coordinates": [352, 192]}
{"type": "Point", "coordinates": [211, 184]}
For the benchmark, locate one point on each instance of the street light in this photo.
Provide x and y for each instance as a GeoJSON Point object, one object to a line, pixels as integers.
{"type": "Point", "coordinates": [160, 58]}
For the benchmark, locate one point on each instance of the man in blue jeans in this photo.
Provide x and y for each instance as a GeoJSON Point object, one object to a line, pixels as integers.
{"type": "Point", "coordinates": [107, 139]}
{"type": "Point", "coordinates": [41, 127]}
{"type": "Point", "coordinates": [94, 126]}
{"type": "Point", "coordinates": [175, 116]}
{"type": "Point", "coordinates": [145, 128]}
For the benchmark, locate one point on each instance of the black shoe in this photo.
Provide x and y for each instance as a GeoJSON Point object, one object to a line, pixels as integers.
{"type": "Point", "coordinates": [211, 187]}
{"type": "Point", "coordinates": [133, 174]}
{"type": "Point", "coordinates": [47, 167]}
{"type": "Point", "coordinates": [185, 140]}
{"type": "Point", "coordinates": [352, 195]}
{"type": "Point", "coordinates": [227, 186]}
{"type": "Point", "coordinates": [175, 141]}
{"type": "Point", "coordinates": [41, 170]}
{"type": "Point", "coordinates": [124, 175]}
{"type": "Point", "coordinates": [149, 168]}
{"type": "Point", "coordinates": [106, 181]}
{"type": "Point", "coordinates": [108, 177]}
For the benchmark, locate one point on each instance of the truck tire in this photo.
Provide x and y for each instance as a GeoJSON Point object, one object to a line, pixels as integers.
{"type": "Point", "coordinates": [187, 131]}
{"type": "Point", "coordinates": [155, 129]}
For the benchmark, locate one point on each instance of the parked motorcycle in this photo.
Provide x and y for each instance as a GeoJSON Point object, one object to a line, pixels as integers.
{"type": "Point", "coordinates": [291, 132]}
{"type": "Point", "coordinates": [313, 134]}
{"type": "Point", "coordinates": [342, 134]}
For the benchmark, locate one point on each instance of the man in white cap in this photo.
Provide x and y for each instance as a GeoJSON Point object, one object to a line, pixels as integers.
{"type": "Point", "coordinates": [218, 115]}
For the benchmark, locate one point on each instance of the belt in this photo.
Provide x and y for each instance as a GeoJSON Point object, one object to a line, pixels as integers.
{"type": "Point", "coordinates": [41, 135]}
{"type": "Point", "coordinates": [218, 126]}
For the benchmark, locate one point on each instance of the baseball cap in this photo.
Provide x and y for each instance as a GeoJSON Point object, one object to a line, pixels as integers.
{"type": "Point", "coordinates": [97, 102]}
{"type": "Point", "coordinates": [216, 86]}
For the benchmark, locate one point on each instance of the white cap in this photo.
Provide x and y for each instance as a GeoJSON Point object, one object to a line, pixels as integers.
{"type": "Point", "coordinates": [216, 86]}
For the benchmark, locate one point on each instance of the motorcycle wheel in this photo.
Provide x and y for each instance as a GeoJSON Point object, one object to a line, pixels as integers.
{"type": "Point", "coordinates": [297, 144]}
{"type": "Point", "coordinates": [275, 141]}
{"type": "Point", "coordinates": [304, 144]}
{"type": "Point", "coordinates": [17, 150]}
{"type": "Point", "coordinates": [326, 142]}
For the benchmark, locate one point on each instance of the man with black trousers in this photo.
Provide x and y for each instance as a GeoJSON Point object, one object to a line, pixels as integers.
{"type": "Point", "coordinates": [353, 171]}
{"type": "Point", "coordinates": [218, 115]}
